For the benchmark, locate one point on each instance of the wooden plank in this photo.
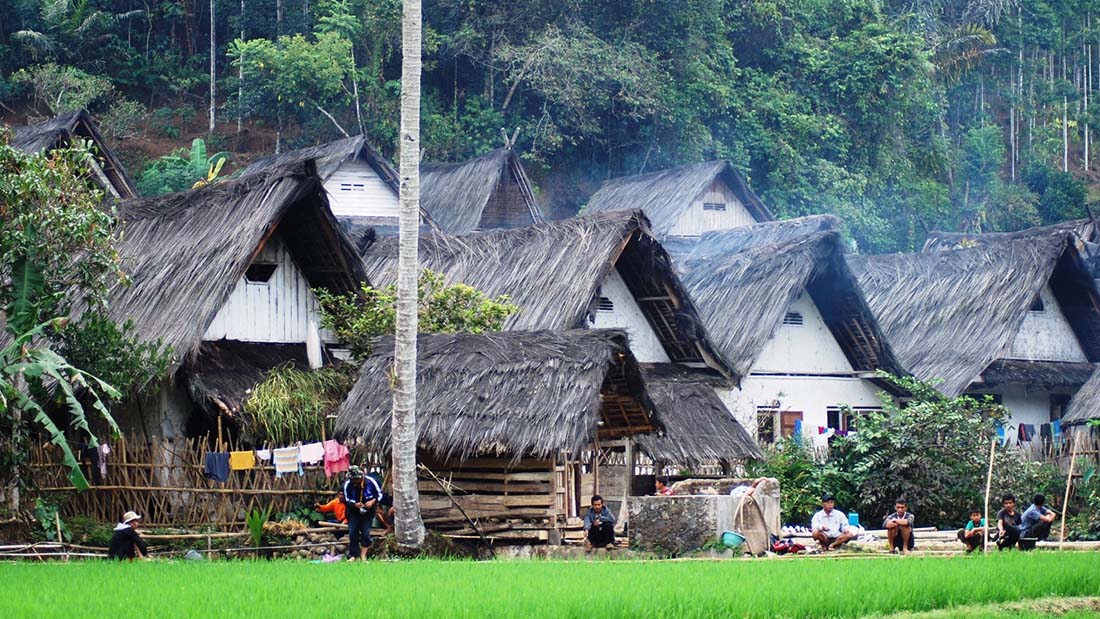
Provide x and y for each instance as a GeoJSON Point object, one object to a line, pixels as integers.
{"type": "Point", "coordinates": [459, 486]}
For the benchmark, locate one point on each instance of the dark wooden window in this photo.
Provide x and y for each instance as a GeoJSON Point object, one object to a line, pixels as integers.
{"type": "Point", "coordinates": [793, 319]}
{"type": "Point", "coordinates": [605, 305]}
{"type": "Point", "coordinates": [714, 206]}
{"type": "Point", "coordinates": [260, 272]}
{"type": "Point", "coordinates": [1037, 304]}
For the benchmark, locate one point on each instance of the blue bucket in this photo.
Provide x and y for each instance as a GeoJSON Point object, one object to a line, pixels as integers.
{"type": "Point", "coordinates": [732, 539]}
{"type": "Point", "coordinates": [853, 519]}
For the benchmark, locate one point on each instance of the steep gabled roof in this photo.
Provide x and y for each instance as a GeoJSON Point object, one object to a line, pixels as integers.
{"type": "Point", "coordinates": [553, 271]}
{"type": "Point", "coordinates": [225, 371]}
{"type": "Point", "coordinates": [515, 393]}
{"type": "Point", "coordinates": [186, 252]}
{"type": "Point", "coordinates": [61, 131]}
{"type": "Point", "coordinates": [1085, 404]}
{"type": "Point", "coordinates": [744, 238]}
{"type": "Point", "coordinates": [938, 240]}
{"type": "Point", "coordinates": [456, 194]}
{"type": "Point", "coordinates": [743, 297]}
{"type": "Point", "coordinates": [949, 314]}
{"type": "Point", "coordinates": [329, 157]}
{"type": "Point", "coordinates": [666, 194]}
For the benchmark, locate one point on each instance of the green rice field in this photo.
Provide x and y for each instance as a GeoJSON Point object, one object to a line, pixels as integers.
{"type": "Point", "coordinates": [827, 587]}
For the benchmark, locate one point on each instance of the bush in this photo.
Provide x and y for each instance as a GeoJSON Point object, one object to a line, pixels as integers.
{"type": "Point", "coordinates": [800, 479]}
{"type": "Point", "coordinates": [63, 89]}
{"type": "Point", "coordinates": [121, 120]}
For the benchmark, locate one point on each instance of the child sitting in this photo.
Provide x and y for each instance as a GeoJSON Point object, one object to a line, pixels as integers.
{"type": "Point", "coordinates": [974, 533]}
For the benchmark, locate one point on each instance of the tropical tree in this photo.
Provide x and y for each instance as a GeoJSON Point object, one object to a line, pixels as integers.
{"type": "Point", "coordinates": [408, 525]}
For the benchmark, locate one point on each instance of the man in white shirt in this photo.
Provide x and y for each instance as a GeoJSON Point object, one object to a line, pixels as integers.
{"type": "Point", "coordinates": [830, 526]}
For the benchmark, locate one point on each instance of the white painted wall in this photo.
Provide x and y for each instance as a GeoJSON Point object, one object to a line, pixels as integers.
{"type": "Point", "coordinates": [1047, 335]}
{"type": "Point", "coordinates": [627, 315]}
{"type": "Point", "coordinates": [812, 395]}
{"type": "Point", "coordinates": [807, 348]}
{"type": "Point", "coordinates": [280, 310]}
{"type": "Point", "coordinates": [356, 190]}
{"type": "Point", "coordinates": [695, 221]}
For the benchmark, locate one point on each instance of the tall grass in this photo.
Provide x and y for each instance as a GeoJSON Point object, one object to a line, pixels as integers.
{"type": "Point", "coordinates": [606, 589]}
{"type": "Point", "coordinates": [291, 404]}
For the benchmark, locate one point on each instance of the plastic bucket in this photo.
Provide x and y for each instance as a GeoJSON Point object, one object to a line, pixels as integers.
{"type": "Point", "coordinates": [732, 539]}
{"type": "Point", "coordinates": [853, 519]}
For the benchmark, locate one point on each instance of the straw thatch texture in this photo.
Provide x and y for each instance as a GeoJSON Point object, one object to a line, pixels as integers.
{"type": "Point", "coordinates": [744, 238]}
{"type": "Point", "coordinates": [224, 372]}
{"type": "Point", "coordinates": [1084, 229]}
{"type": "Point", "coordinates": [514, 393]}
{"type": "Point", "coordinates": [62, 131]}
{"type": "Point", "coordinates": [698, 428]}
{"type": "Point", "coordinates": [186, 252]}
{"type": "Point", "coordinates": [329, 157]}
{"type": "Point", "coordinates": [1085, 404]}
{"type": "Point", "coordinates": [664, 195]}
{"type": "Point", "coordinates": [1042, 374]}
{"type": "Point", "coordinates": [456, 195]}
{"type": "Point", "coordinates": [743, 297]}
{"type": "Point", "coordinates": [553, 272]}
{"type": "Point", "coordinates": [949, 314]}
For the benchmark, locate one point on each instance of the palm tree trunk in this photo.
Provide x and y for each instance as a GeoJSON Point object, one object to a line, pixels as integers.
{"type": "Point", "coordinates": [409, 527]}
{"type": "Point", "coordinates": [213, 49]}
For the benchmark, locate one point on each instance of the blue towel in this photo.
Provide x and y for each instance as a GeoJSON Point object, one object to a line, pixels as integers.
{"type": "Point", "coordinates": [1001, 433]}
{"type": "Point", "coordinates": [216, 466]}
{"type": "Point", "coordinates": [798, 431]}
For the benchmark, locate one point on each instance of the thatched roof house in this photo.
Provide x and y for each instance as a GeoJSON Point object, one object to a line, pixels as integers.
{"type": "Point", "coordinates": [64, 130]}
{"type": "Point", "coordinates": [224, 275]}
{"type": "Point", "coordinates": [1085, 404]}
{"type": "Point", "coordinates": [571, 274]}
{"type": "Point", "coordinates": [487, 192]}
{"type": "Point", "coordinates": [958, 315]}
{"type": "Point", "coordinates": [685, 201]}
{"type": "Point", "coordinates": [1083, 229]}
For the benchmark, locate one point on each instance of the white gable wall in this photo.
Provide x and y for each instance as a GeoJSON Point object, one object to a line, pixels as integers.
{"type": "Point", "coordinates": [627, 315]}
{"type": "Point", "coordinates": [695, 220]}
{"type": "Point", "coordinates": [356, 190]}
{"type": "Point", "coordinates": [806, 348]}
{"type": "Point", "coordinates": [1047, 335]}
{"type": "Point", "coordinates": [281, 310]}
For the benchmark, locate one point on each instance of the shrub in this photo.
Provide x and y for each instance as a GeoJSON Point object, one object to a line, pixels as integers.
{"type": "Point", "coordinates": [122, 119]}
{"type": "Point", "coordinates": [63, 89]}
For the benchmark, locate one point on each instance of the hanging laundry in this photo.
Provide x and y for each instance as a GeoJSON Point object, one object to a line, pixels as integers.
{"type": "Point", "coordinates": [216, 466]}
{"type": "Point", "coordinates": [822, 429]}
{"type": "Point", "coordinates": [1021, 434]}
{"type": "Point", "coordinates": [89, 458]}
{"type": "Point", "coordinates": [1028, 431]}
{"type": "Point", "coordinates": [263, 455]}
{"type": "Point", "coordinates": [1056, 431]}
{"type": "Point", "coordinates": [242, 460]}
{"type": "Point", "coordinates": [311, 453]}
{"type": "Point", "coordinates": [798, 431]}
{"type": "Point", "coordinates": [287, 461]}
{"type": "Point", "coordinates": [104, 451]}
{"type": "Point", "coordinates": [1044, 432]}
{"type": "Point", "coordinates": [337, 457]}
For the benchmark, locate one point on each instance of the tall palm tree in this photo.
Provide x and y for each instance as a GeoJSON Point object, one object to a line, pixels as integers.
{"type": "Point", "coordinates": [408, 524]}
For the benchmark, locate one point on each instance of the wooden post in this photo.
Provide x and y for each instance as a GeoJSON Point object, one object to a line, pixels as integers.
{"type": "Point", "coordinates": [61, 540]}
{"type": "Point", "coordinates": [988, 486]}
{"type": "Point", "coordinates": [219, 432]}
{"type": "Point", "coordinates": [628, 480]}
{"type": "Point", "coordinates": [1069, 484]}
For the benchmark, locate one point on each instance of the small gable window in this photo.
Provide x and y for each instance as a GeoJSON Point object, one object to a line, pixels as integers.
{"type": "Point", "coordinates": [793, 319]}
{"type": "Point", "coordinates": [352, 187]}
{"type": "Point", "coordinates": [714, 206]}
{"type": "Point", "coordinates": [1037, 304]}
{"type": "Point", "coordinates": [260, 272]}
{"type": "Point", "coordinates": [605, 305]}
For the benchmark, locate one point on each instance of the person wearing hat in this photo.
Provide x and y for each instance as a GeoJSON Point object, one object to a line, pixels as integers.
{"type": "Point", "coordinates": [360, 496]}
{"type": "Point", "coordinates": [126, 543]}
{"type": "Point", "coordinates": [830, 526]}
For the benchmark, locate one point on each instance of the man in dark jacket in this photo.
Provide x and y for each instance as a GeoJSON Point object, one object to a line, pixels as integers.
{"type": "Point", "coordinates": [599, 525]}
{"type": "Point", "coordinates": [361, 496]}
{"type": "Point", "coordinates": [126, 543]}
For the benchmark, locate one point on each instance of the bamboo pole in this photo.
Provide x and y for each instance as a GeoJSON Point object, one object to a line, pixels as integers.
{"type": "Point", "coordinates": [988, 486]}
{"type": "Point", "coordinates": [1069, 484]}
{"type": "Point", "coordinates": [61, 540]}
{"type": "Point", "coordinates": [248, 491]}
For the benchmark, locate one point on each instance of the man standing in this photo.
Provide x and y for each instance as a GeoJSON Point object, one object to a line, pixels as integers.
{"type": "Point", "coordinates": [830, 526]}
{"type": "Point", "coordinates": [599, 525]}
{"type": "Point", "coordinates": [1035, 523]}
{"type": "Point", "coordinates": [126, 543]}
{"type": "Point", "coordinates": [899, 528]}
{"type": "Point", "coordinates": [1008, 523]}
{"type": "Point", "coordinates": [360, 496]}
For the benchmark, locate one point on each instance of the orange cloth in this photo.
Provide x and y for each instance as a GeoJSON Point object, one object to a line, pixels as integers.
{"type": "Point", "coordinates": [337, 508]}
{"type": "Point", "coordinates": [242, 460]}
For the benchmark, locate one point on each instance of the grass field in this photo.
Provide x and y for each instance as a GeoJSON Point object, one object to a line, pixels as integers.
{"type": "Point", "coordinates": [834, 587]}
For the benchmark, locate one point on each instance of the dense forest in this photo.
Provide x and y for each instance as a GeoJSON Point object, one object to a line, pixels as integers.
{"type": "Point", "coordinates": [900, 116]}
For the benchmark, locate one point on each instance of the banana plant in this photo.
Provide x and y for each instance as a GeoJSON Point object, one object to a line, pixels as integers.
{"type": "Point", "coordinates": [205, 168]}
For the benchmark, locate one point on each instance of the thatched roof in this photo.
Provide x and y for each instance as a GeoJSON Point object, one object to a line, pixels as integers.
{"type": "Point", "coordinates": [186, 252]}
{"type": "Point", "coordinates": [487, 192]}
{"type": "Point", "coordinates": [224, 372]}
{"type": "Point", "coordinates": [1042, 374]}
{"type": "Point", "coordinates": [949, 314]}
{"type": "Point", "coordinates": [666, 194]}
{"type": "Point", "coordinates": [553, 272]}
{"type": "Point", "coordinates": [698, 428]}
{"type": "Point", "coordinates": [744, 238]}
{"type": "Point", "coordinates": [1085, 404]}
{"type": "Point", "coordinates": [514, 393]}
{"type": "Point", "coordinates": [61, 131]}
{"type": "Point", "coordinates": [329, 157]}
{"type": "Point", "coordinates": [743, 297]}
{"type": "Point", "coordinates": [937, 240]}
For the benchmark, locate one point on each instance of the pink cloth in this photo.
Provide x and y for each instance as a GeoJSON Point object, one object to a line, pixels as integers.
{"type": "Point", "coordinates": [337, 458]}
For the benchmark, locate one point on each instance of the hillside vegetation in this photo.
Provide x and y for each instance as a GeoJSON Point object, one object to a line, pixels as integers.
{"type": "Point", "coordinates": [900, 116]}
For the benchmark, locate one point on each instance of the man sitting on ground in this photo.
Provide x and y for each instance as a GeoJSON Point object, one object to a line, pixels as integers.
{"type": "Point", "coordinates": [662, 486]}
{"type": "Point", "coordinates": [599, 525]}
{"type": "Point", "coordinates": [830, 526]}
{"type": "Point", "coordinates": [899, 528]}
{"type": "Point", "coordinates": [1008, 523]}
{"type": "Point", "coordinates": [974, 533]}
{"type": "Point", "coordinates": [126, 543]}
{"type": "Point", "coordinates": [1035, 523]}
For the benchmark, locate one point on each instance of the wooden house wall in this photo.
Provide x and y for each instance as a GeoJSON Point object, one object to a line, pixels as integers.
{"type": "Point", "coordinates": [694, 221]}
{"type": "Point", "coordinates": [283, 309]}
{"type": "Point", "coordinates": [624, 313]}
{"type": "Point", "coordinates": [507, 207]}
{"type": "Point", "coordinates": [356, 190]}
{"type": "Point", "coordinates": [1046, 335]}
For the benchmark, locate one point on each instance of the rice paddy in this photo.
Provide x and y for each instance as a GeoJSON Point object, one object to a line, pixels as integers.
{"type": "Point", "coordinates": [834, 587]}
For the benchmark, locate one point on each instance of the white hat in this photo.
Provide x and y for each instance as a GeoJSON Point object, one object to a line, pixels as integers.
{"type": "Point", "coordinates": [129, 517]}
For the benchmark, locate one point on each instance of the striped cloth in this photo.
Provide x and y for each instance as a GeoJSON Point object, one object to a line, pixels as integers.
{"type": "Point", "coordinates": [286, 461]}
